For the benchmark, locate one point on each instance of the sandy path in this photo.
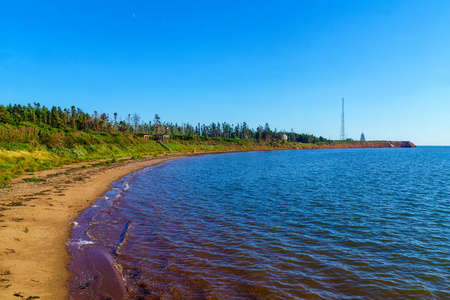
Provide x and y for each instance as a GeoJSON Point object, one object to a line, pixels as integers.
{"type": "Point", "coordinates": [34, 225]}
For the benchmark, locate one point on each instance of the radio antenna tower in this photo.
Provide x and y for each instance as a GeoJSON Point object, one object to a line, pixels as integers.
{"type": "Point", "coordinates": [342, 122]}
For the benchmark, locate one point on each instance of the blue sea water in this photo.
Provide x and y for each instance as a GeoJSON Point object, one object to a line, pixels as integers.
{"type": "Point", "coordinates": [321, 224]}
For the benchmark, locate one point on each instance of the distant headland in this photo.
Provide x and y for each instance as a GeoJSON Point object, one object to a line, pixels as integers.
{"type": "Point", "coordinates": [368, 144]}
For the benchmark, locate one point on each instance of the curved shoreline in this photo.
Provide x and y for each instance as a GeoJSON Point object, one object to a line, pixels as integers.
{"type": "Point", "coordinates": [35, 216]}
{"type": "Point", "coordinates": [35, 224]}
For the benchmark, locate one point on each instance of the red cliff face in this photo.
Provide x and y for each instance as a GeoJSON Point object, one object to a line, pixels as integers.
{"type": "Point", "coordinates": [406, 144]}
{"type": "Point", "coordinates": [357, 144]}
{"type": "Point", "coordinates": [369, 144]}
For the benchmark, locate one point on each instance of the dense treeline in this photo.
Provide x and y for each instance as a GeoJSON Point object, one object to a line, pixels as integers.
{"type": "Point", "coordinates": [34, 138]}
{"type": "Point", "coordinates": [74, 119]}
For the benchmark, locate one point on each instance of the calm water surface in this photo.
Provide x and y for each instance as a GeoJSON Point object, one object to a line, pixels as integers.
{"type": "Point", "coordinates": [325, 224]}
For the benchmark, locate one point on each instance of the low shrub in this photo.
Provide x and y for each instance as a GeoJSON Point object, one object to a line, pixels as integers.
{"type": "Point", "coordinates": [34, 179]}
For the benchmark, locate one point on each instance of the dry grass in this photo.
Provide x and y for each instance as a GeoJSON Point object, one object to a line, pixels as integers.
{"type": "Point", "coordinates": [14, 156]}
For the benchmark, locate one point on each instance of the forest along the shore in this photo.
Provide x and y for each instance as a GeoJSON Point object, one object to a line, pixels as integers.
{"type": "Point", "coordinates": [54, 163]}
{"type": "Point", "coordinates": [35, 137]}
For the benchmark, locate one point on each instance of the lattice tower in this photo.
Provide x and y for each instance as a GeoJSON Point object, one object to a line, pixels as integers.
{"type": "Point", "coordinates": [342, 122]}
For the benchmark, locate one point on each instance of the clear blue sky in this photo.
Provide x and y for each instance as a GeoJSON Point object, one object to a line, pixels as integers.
{"type": "Point", "coordinates": [288, 63]}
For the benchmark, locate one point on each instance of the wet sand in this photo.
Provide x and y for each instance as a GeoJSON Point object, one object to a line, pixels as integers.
{"type": "Point", "coordinates": [35, 224]}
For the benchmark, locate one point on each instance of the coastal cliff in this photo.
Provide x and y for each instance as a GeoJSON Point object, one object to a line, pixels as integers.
{"type": "Point", "coordinates": [357, 144]}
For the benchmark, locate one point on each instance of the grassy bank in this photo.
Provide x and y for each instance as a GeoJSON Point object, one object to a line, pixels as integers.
{"type": "Point", "coordinates": [34, 137]}
{"type": "Point", "coordinates": [28, 148]}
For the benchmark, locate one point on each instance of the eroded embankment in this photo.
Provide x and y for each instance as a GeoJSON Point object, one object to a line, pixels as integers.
{"type": "Point", "coordinates": [357, 144]}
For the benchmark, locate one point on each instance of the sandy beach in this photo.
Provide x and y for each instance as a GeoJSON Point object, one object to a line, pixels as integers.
{"type": "Point", "coordinates": [35, 224]}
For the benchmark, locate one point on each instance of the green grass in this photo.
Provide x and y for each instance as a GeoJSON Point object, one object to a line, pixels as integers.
{"type": "Point", "coordinates": [5, 186]}
{"type": "Point", "coordinates": [33, 179]}
{"type": "Point", "coordinates": [26, 150]}
{"type": "Point", "coordinates": [137, 155]}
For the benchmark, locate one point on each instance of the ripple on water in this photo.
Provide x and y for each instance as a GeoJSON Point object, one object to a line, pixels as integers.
{"type": "Point", "coordinates": [328, 224]}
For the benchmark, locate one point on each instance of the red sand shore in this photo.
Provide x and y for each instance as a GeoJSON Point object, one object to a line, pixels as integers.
{"type": "Point", "coordinates": [34, 225]}
{"type": "Point", "coordinates": [356, 144]}
{"type": "Point", "coordinates": [35, 216]}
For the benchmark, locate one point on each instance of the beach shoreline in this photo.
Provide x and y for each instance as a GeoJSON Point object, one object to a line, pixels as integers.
{"type": "Point", "coordinates": [35, 221]}
{"type": "Point", "coordinates": [35, 224]}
